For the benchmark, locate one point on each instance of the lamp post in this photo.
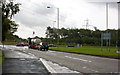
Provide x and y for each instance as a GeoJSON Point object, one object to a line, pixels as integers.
{"type": "Point", "coordinates": [53, 23]}
{"type": "Point", "coordinates": [106, 17]}
{"type": "Point", "coordinates": [57, 22]}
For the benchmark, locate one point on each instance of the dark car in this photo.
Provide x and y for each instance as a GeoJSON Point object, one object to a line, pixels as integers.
{"type": "Point", "coordinates": [70, 46]}
{"type": "Point", "coordinates": [43, 46]}
{"type": "Point", "coordinates": [52, 45]}
{"type": "Point", "coordinates": [26, 44]}
{"type": "Point", "coordinates": [20, 44]}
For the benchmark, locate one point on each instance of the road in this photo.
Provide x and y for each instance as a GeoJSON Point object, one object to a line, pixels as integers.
{"type": "Point", "coordinates": [78, 62]}
{"type": "Point", "coordinates": [14, 56]}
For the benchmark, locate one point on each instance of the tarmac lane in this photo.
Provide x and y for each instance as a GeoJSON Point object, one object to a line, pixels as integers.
{"type": "Point", "coordinates": [78, 62]}
{"type": "Point", "coordinates": [84, 64]}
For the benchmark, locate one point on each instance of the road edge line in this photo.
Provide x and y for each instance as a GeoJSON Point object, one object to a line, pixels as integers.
{"type": "Point", "coordinates": [50, 69]}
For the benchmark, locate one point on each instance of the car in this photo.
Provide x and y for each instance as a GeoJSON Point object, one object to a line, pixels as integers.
{"type": "Point", "coordinates": [52, 45]}
{"type": "Point", "coordinates": [43, 46]}
{"type": "Point", "coordinates": [20, 44]}
{"type": "Point", "coordinates": [70, 46]}
{"type": "Point", "coordinates": [26, 44]}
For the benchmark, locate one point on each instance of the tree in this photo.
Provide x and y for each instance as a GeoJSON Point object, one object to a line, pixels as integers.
{"type": "Point", "coordinates": [8, 11]}
{"type": "Point", "coordinates": [81, 36]}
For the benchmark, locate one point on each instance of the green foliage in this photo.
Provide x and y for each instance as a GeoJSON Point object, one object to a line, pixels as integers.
{"type": "Point", "coordinates": [8, 26]}
{"type": "Point", "coordinates": [81, 36]}
{"type": "Point", "coordinates": [10, 9]}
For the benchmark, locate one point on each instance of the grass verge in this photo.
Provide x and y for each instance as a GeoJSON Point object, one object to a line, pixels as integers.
{"type": "Point", "coordinates": [89, 50]}
{"type": "Point", "coordinates": [9, 43]}
{"type": "Point", "coordinates": [1, 57]}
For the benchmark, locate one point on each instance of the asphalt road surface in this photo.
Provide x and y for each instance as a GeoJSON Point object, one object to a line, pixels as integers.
{"type": "Point", "coordinates": [78, 62]}
{"type": "Point", "coordinates": [19, 62]}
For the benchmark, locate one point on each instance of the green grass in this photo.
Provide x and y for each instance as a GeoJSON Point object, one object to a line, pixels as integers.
{"type": "Point", "coordinates": [10, 43]}
{"type": "Point", "coordinates": [1, 58]}
{"type": "Point", "coordinates": [89, 50]}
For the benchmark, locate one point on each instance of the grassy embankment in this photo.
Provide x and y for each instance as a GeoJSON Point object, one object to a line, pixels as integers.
{"type": "Point", "coordinates": [1, 58]}
{"type": "Point", "coordinates": [90, 50]}
{"type": "Point", "coordinates": [10, 43]}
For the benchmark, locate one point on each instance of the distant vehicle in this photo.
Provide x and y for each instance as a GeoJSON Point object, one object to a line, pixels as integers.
{"type": "Point", "coordinates": [52, 45]}
{"type": "Point", "coordinates": [70, 46]}
{"type": "Point", "coordinates": [33, 46]}
{"type": "Point", "coordinates": [20, 44]}
{"type": "Point", "coordinates": [26, 44]}
{"type": "Point", "coordinates": [43, 46]}
{"type": "Point", "coordinates": [33, 43]}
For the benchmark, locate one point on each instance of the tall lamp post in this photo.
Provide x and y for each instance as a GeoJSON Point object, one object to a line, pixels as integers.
{"type": "Point", "coordinates": [53, 23]}
{"type": "Point", "coordinates": [57, 21]}
{"type": "Point", "coordinates": [107, 17]}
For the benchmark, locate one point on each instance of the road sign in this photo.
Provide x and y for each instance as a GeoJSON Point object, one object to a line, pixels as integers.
{"type": "Point", "coordinates": [106, 36]}
{"type": "Point", "coordinates": [20, 41]}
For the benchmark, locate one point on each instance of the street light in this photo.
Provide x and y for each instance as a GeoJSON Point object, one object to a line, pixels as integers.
{"type": "Point", "coordinates": [53, 23]}
{"type": "Point", "coordinates": [57, 21]}
{"type": "Point", "coordinates": [106, 17]}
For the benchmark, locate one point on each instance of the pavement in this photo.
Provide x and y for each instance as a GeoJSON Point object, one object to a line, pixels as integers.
{"type": "Point", "coordinates": [19, 63]}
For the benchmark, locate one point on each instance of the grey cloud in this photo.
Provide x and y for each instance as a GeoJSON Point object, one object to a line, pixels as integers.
{"type": "Point", "coordinates": [38, 15]}
{"type": "Point", "coordinates": [42, 9]}
{"type": "Point", "coordinates": [31, 21]}
{"type": "Point", "coordinates": [63, 17]}
{"type": "Point", "coordinates": [102, 0]}
{"type": "Point", "coordinates": [35, 14]}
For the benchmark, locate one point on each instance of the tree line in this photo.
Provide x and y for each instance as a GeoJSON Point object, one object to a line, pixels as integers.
{"type": "Point", "coordinates": [78, 36]}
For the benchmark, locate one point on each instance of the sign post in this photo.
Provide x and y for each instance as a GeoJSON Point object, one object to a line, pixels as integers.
{"type": "Point", "coordinates": [107, 37]}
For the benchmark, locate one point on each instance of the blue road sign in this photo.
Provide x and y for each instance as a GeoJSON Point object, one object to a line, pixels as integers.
{"type": "Point", "coordinates": [20, 41]}
{"type": "Point", "coordinates": [106, 36]}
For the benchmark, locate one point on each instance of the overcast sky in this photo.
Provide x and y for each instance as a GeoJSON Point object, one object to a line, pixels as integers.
{"type": "Point", "coordinates": [35, 16]}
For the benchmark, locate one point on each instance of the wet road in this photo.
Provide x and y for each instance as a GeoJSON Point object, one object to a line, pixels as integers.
{"type": "Point", "coordinates": [19, 62]}
{"type": "Point", "coordinates": [77, 62]}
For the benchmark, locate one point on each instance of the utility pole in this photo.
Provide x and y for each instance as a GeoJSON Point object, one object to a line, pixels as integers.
{"type": "Point", "coordinates": [87, 24]}
{"type": "Point", "coordinates": [53, 23]}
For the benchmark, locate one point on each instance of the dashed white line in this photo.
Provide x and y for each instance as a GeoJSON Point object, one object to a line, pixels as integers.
{"type": "Point", "coordinates": [78, 59]}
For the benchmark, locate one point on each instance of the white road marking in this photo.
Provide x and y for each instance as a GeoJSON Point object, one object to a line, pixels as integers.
{"type": "Point", "coordinates": [78, 59]}
{"type": "Point", "coordinates": [89, 69]}
{"type": "Point", "coordinates": [51, 53]}
{"type": "Point", "coordinates": [84, 67]}
{"type": "Point", "coordinates": [50, 69]}
{"type": "Point", "coordinates": [56, 68]}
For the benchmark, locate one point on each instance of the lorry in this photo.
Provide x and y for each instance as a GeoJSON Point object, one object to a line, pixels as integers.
{"type": "Point", "coordinates": [36, 43]}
